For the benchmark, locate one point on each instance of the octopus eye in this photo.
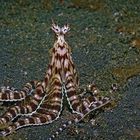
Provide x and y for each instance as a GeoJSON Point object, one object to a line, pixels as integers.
{"type": "Point", "coordinates": [65, 30]}
{"type": "Point", "coordinates": [57, 30]}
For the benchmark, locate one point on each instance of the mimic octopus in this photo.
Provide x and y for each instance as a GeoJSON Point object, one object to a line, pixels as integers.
{"type": "Point", "coordinates": [46, 96]}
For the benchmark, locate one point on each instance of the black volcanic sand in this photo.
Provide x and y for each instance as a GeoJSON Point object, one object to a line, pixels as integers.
{"type": "Point", "coordinates": [101, 37]}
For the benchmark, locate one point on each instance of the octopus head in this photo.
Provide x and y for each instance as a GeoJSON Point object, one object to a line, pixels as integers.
{"type": "Point", "coordinates": [60, 32]}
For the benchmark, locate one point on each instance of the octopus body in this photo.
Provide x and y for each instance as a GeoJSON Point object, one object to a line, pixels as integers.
{"type": "Point", "coordinates": [46, 96]}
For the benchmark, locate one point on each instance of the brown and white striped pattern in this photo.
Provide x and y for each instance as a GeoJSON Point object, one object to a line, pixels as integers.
{"type": "Point", "coordinates": [46, 97]}
{"type": "Point", "coordinates": [11, 94]}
